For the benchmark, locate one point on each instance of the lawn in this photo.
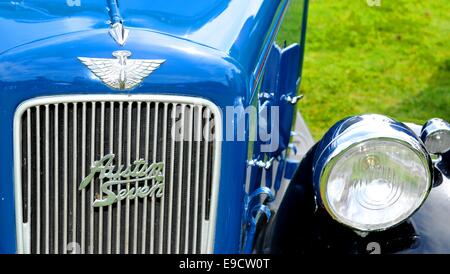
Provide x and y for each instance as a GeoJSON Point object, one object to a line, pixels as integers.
{"type": "Point", "coordinates": [392, 59]}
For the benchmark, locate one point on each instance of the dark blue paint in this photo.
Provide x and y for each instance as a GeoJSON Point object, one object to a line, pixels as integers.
{"type": "Point", "coordinates": [239, 29]}
{"type": "Point", "coordinates": [287, 86]}
{"type": "Point", "coordinates": [214, 50]}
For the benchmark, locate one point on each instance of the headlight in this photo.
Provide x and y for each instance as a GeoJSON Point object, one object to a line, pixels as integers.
{"type": "Point", "coordinates": [371, 172]}
{"type": "Point", "coordinates": [436, 136]}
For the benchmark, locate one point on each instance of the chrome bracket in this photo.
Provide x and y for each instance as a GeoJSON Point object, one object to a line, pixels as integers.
{"type": "Point", "coordinates": [253, 215]}
{"type": "Point", "coordinates": [265, 95]}
{"type": "Point", "coordinates": [260, 163]}
{"type": "Point", "coordinates": [292, 99]}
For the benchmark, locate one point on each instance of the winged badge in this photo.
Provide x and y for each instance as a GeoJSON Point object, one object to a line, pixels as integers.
{"type": "Point", "coordinates": [121, 73]}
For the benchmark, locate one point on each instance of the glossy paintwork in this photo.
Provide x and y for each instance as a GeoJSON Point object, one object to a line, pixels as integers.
{"type": "Point", "coordinates": [214, 50]}
{"type": "Point", "coordinates": [225, 25]}
{"type": "Point", "coordinates": [432, 223]}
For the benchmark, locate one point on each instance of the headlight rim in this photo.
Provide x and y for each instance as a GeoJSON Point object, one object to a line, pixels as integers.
{"type": "Point", "coordinates": [355, 135]}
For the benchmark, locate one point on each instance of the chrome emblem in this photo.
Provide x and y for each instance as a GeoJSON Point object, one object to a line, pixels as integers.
{"type": "Point", "coordinates": [121, 73]}
{"type": "Point", "coordinates": [139, 171]}
{"type": "Point", "coordinates": [119, 33]}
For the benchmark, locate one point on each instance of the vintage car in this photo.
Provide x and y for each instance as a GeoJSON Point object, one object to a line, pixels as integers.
{"type": "Point", "coordinates": [172, 127]}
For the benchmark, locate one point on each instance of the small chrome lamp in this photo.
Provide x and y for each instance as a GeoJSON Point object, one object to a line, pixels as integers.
{"type": "Point", "coordinates": [436, 136]}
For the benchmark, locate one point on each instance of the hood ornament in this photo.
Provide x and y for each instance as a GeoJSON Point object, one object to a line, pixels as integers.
{"type": "Point", "coordinates": [121, 73]}
{"type": "Point", "coordinates": [119, 33]}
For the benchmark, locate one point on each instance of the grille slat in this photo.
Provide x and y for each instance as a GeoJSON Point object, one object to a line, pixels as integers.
{"type": "Point", "coordinates": [62, 140]}
{"type": "Point", "coordinates": [190, 128]}
{"type": "Point", "coordinates": [161, 206]}
{"type": "Point", "coordinates": [111, 150]}
{"type": "Point", "coordinates": [38, 181]}
{"type": "Point", "coordinates": [66, 177]}
{"type": "Point", "coordinates": [47, 180]}
{"type": "Point", "coordinates": [180, 179]}
{"type": "Point", "coordinates": [137, 157]}
{"type": "Point", "coordinates": [119, 151]}
{"type": "Point", "coordinates": [92, 190]}
{"type": "Point", "coordinates": [197, 177]}
{"type": "Point", "coordinates": [205, 171]}
{"type": "Point", "coordinates": [171, 186]}
{"type": "Point", "coordinates": [147, 158]}
{"type": "Point", "coordinates": [128, 162]}
{"type": "Point", "coordinates": [83, 171]}
{"type": "Point", "coordinates": [29, 169]}
{"type": "Point", "coordinates": [102, 153]}
{"type": "Point", "coordinates": [73, 225]}
{"type": "Point", "coordinates": [56, 187]}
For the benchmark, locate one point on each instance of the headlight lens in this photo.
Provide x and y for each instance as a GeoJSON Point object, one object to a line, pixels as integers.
{"type": "Point", "coordinates": [376, 184]}
{"type": "Point", "coordinates": [373, 175]}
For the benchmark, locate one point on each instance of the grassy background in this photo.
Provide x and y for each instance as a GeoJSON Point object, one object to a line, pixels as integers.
{"type": "Point", "coordinates": [393, 59]}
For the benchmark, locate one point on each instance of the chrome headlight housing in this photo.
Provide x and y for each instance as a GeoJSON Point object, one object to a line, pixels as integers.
{"type": "Point", "coordinates": [371, 172]}
{"type": "Point", "coordinates": [436, 136]}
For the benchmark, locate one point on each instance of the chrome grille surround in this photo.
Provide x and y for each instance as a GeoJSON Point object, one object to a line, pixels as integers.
{"type": "Point", "coordinates": [63, 153]}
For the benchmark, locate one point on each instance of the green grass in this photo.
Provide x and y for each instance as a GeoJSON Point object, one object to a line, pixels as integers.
{"type": "Point", "coordinates": [392, 60]}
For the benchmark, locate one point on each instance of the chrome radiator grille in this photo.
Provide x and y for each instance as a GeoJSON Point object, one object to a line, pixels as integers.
{"type": "Point", "coordinates": [58, 141]}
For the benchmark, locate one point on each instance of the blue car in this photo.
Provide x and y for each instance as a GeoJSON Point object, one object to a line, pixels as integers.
{"type": "Point", "coordinates": [172, 127]}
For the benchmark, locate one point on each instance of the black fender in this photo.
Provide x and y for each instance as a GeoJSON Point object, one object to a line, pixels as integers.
{"type": "Point", "coordinates": [301, 227]}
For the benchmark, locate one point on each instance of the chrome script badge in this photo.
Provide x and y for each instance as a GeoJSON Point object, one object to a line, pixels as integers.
{"type": "Point", "coordinates": [139, 171]}
{"type": "Point", "coordinates": [121, 73]}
